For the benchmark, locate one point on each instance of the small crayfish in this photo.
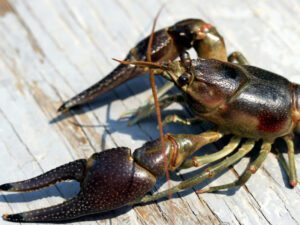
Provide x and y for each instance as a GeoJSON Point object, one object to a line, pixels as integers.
{"type": "Point", "coordinates": [247, 102]}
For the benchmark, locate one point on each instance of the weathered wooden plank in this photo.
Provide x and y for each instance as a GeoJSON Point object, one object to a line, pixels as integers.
{"type": "Point", "coordinates": [51, 50]}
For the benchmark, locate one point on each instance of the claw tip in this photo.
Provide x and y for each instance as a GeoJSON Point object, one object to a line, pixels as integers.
{"type": "Point", "coordinates": [62, 108]}
{"type": "Point", "coordinates": [5, 187]}
{"type": "Point", "coordinates": [293, 183]}
{"type": "Point", "coordinates": [13, 217]}
{"type": "Point", "coordinates": [5, 216]}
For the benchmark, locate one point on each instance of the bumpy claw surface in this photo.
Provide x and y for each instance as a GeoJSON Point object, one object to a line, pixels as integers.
{"type": "Point", "coordinates": [115, 178]}
{"type": "Point", "coordinates": [72, 171]}
{"type": "Point", "coordinates": [109, 179]}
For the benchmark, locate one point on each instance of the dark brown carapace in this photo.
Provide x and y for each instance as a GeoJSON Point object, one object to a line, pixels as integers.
{"type": "Point", "coordinates": [249, 103]}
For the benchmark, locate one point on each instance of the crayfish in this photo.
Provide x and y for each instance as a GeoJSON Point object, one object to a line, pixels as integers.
{"type": "Point", "coordinates": [247, 102]}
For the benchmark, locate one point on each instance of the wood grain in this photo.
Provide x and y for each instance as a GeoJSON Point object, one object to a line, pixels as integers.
{"type": "Point", "coordinates": [52, 49]}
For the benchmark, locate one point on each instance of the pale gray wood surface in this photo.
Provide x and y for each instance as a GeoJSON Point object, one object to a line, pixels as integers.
{"type": "Point", "coordinates": [52, 49]}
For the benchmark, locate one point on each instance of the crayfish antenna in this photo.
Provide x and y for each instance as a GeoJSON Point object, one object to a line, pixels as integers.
{"type": "Point", "coordinates": [71, 171]}
{"type": "Point", "coordinates": [156, 104]}
{"type": "Point", "coordinates": [68, 210]}
{"type": "Point", "coordinates": [147, 64]}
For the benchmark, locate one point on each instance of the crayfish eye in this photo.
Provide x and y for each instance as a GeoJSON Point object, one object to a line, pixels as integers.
{"type": "Point", "coordinates": [184, 79]}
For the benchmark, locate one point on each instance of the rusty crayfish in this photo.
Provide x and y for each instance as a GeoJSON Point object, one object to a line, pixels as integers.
{"type": "Point", "coordinates": [240, 99]}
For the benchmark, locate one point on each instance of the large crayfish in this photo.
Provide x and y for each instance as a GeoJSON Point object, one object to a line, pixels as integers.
{"type": "Point", "coordinates": [242, 100]}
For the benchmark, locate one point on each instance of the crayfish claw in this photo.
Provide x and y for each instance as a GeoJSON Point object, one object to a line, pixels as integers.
{"type": "Point", "coordinates": [108, 180]}
{"type": "Point", "coordinates": [70, 171]}
{"type": "Point", "coordinates": [68, 210]}
{"type": "Point", "coordinates": [62, 108]}
{"type": "Point", "coordinates": [5, 187]}
{"type": "Point", "coordinates": [12, 217]}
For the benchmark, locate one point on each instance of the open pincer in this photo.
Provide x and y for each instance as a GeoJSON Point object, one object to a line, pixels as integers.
{"type": "Point", "coordinates": [109, 179]}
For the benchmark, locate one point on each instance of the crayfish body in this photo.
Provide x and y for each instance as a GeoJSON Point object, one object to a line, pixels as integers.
{"type": "Point", "coordinates": [241, 100]}
{"type": "Point", "coordinates": [237, 98]}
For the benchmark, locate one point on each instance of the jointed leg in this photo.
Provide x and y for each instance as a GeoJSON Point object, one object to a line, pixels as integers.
{"type": "Point", "coordinates": [210, 172]}
{"type": "Point", "coordinates": [291, 165]}
{"type": "Point", "coordinates": [161, 91]}
{"type": "Point", "coordinates": [283, 163]}
{"type": "Point", "coordinates": [146, 110]}
{"type": "Point", "coordinates": [252, 168]}
{"type": "Point", "coordinates": [238, 57]}
{"type": "Point", "coordinates": [150, 101]}
{"type": "Point", "coordinates": [183, 121]}
{"type": "Point", "coordinates": [185, 58]}
{"type": "Point", "coordinates": [198, 161]}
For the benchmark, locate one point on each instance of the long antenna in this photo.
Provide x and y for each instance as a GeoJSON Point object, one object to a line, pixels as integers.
{"type": "Point", "coordinates": [156, 102]}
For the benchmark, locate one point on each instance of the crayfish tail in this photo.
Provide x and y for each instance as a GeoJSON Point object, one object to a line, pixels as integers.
{"type": "Point", "coordinates": [68, 210]}
{"type": "Point", "coordinates": [71, 171]}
